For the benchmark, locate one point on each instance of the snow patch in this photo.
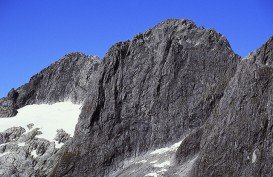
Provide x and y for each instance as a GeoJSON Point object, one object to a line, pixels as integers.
{"type": "Point", "coordinates": [3, 144]}
{"type": "Point", "coordinates": [160, 151]}
{"type": "Point", "coordinates": [21, 144]}
{"type": "Point", "coordinates": [58, 145]}
{"type": "Point", "coordinates": [142, 161]}
{"type": "Point", "coordinates": [254, 157]}
{"type": "Point", "coordinates": [153, 161]}
{"type": "Point", "coordinates": [197, 43]}
{"type": "Point", "coordinates": [161, 165]}
{"type": "Point", "coordinates": [162, 170]}
{"type": "Point", "coordinates": [34, 153]}
{"type": "Point", "coordinates": [152, 174]}
{"type": "Point", "coordinates": [167, 149]}
{"type": "Point", "coordinates": [49, 118]}
{"type": "Point", "coordinates": [3, 154]}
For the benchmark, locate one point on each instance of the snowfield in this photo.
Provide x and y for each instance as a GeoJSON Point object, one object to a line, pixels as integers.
{"type": "Point", "coordinates": [156, 163]}
{"type": "Point", "coordinates": [48, 118]}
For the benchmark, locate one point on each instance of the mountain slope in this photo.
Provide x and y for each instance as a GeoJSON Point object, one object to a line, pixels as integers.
{"type": "Point", "coordinates": [33, 140]}
{"type": "Point", "coordinates": [151, 91]}
{"type": "Point", "coordinates": [67, 79]}
{"type": "Point", "coordinates": [237, 139]}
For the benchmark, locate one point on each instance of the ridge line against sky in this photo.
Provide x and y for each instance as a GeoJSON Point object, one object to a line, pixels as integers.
{"type": "Point", "coordinates": [34, 34]}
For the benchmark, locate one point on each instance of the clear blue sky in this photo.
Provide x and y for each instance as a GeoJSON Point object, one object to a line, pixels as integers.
{"type": "Point", "coordinates": [35, 33]}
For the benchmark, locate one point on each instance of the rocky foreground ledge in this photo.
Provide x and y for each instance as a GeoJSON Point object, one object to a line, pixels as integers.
{"type": "Point", "coordinates": [37, 138]}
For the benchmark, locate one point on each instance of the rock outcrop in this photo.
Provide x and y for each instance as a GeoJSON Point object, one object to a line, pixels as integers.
{"type": "Point", "coordinates": [237, 139]}
{"type": "Point", "coordinates": [151, 91]}
{"type": "Point", "coordinates": [24, 154]}
{"type": "Point", "coordinates": [67, 79]}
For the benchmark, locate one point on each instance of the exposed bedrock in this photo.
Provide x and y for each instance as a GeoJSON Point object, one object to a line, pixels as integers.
{"type": "Point", "coordinates": [237, 140]}
{"type": "Point", "coordinates": [70, 78]}
{"type": "Point", "coordinates": [151, 91]}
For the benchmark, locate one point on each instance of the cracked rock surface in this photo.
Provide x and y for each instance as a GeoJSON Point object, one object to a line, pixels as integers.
{"type": "Point", "coordinates": [24, 154]}
{"type": "Point", "coordinates": [237, 139]}
{"type": "Point", "coordinates": [150, 92]}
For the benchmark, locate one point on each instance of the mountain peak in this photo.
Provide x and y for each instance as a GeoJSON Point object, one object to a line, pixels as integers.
{"type": "Point", "coordinates": [66, 79]}
{"type": "Point", "coordinates": [176, 22]}
{"type": "Point", "coordinates": [176, 90]}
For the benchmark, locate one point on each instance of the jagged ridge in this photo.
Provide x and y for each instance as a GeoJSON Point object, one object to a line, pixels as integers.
{"type": "Point", "coordinates": [67, 79]}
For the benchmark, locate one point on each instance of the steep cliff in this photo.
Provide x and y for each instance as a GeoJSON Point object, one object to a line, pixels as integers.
{"type": "Point", "coordinates": [151, 91]}
{"type": "Point", "coordinates": [237, 139]}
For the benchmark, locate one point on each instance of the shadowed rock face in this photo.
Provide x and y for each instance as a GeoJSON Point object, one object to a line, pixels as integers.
{"type": "Point", "coordinates": [67, 79]}
{"type": "Point", "coordinates": [237, 140]}
{"type": "Point", "coordinates": [150, 92]}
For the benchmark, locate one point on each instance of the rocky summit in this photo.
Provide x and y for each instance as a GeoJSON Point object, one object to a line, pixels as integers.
{"type": "Point", "coordinates": [173, 101]}
{"type": "Point", "coordinates": [67, 79]}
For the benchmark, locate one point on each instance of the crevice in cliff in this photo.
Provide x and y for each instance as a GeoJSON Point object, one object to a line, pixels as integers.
{"type": "Point", "coordinates": [118, 105]}
{"type": "Point", "coordinates": [101, 99]}
{"type": "Point", "coordinates": [163, 61]}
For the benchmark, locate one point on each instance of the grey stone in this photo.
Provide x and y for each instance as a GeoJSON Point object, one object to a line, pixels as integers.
{"type": "Point", "coordinates": [7, 105]}
{"type": "Point", "coordinates": [70, 78]}
{"type": "Point", "coordinates": [30, 126]}
{"type": "Point", "coordinates": [150, 92]}
{"type": "Point", "coordinates": [27, 155]}
{"type": "Point", "coordinates": [237, 140]}
{"type": "Point", "coordinates": [11, 134]}
{"type": "Point", "coordinates": [62, 136]}
{"type": "Point", "coordinates": [189, 147]}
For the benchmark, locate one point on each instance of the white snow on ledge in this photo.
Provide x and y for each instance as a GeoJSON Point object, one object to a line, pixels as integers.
{"type": "Point", "coordinates": [3, 154]}
{"type": "Point", "coordinates": [150, 164]}
{"type": "Point", "coordinates": [49, 118]}
{"type": "Point", "coordinates": [34, 154]}
{"type": "Point", "coordinates": [21, 144]}
{"type": "Point", "coordinates": [167, 149]}
{"type": "Point", "coordinates": [156, 163]}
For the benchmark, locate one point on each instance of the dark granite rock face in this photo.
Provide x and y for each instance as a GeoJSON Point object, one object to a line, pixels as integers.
{"type": "Point", "coordinates": [237, 140]}
{"type": "Point", "coordinates": [67, 79]}
{"type": "Point", "coordinates": [151, 91]}
{"type": "Point", "coordinates": [8, 104]}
